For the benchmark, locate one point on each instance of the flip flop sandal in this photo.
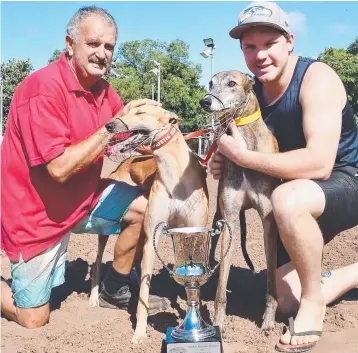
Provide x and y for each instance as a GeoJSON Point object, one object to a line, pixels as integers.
{"type": "Point", "coordinates": [280, 347]}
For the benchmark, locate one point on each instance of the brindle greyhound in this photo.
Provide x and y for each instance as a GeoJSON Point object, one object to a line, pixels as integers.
{"type": "Point", "coordinates": [178, 191]}
{"type": "Point", "coordinates": [231, 96]}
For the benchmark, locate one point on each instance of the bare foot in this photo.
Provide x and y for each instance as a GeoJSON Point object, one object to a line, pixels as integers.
{"type": "Point", "coordinates": [309, 318]}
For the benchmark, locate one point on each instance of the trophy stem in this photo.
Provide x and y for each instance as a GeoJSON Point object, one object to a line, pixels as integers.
{"type": "Point", "coordinates": [193, 328]}
{"type": "Point", "coordinates": [193, 295]}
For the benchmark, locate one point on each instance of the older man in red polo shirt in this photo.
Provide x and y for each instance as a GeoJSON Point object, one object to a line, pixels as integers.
{"type": "Point", "coordinates": [52, 157]}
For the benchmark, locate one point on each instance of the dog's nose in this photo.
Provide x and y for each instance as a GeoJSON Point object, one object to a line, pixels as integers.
{"type": "Point", "coordinates": [206, 102]}
{"type": "Point", "coordinates": [111, 126]}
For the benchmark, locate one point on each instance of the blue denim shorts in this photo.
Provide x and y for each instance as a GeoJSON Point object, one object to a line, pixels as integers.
{"type": "Point", "coordinates": [33, 280]}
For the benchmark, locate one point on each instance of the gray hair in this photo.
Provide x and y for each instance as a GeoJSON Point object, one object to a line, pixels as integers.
{"type": "Point", "coordinates": [83, 13]}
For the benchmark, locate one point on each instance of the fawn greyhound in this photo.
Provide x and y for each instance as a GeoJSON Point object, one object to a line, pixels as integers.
{"type": "Point", "coordinates": [178, 192]}
{"type": "Point", "coordinates": [231, 97]}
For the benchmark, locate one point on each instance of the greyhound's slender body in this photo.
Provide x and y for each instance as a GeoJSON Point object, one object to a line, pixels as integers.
{"type": "Point", "coordinates": [178, 193]}
{"type": "Point", "coordinates": [231, 96]}
{"type": "Point", "coordinates": [179, 196]}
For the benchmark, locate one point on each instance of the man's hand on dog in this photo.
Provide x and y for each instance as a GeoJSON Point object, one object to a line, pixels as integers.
{"type": "Point", "coordinates": [231, 146]}
{"type": "Point", "coordinates": [216, 165]}
{"type": "Point", "coordinates": [141, 106]}
{"type": "Point", "coordinates": [145, 106]}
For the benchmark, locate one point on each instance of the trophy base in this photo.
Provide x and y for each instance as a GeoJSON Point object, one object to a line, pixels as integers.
{"type": "Point", "coordinates": [209, 345]}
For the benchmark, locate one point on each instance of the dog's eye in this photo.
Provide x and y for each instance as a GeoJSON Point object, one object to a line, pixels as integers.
{"type": "Point", "coordinates": [210, 84]}
{"type": "Point", "coordinates": [231, 84]}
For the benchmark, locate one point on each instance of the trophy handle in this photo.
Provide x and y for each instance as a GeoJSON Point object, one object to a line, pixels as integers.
{"type": "Point", "coordinates": [165, 225]}
{"type": "Point", "coordinates": [218, 231]}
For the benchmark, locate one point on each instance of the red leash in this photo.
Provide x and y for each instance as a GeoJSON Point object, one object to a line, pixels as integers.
{"type": "Point", "coordinates": [212, 148]}
{"type": "Point", "coordinates": [198, 133]}
{"type": "Point", "coordinates": [147, 150]}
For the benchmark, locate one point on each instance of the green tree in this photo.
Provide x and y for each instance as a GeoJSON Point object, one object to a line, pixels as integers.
{"type": "Point", "coordinates": [55, 55]}
{"type": "Point", "coordinates": [181, 92]}
{"type": "Point", "coordinates": [345, 63]}
{"type": "Point", "coordinates": [12, 73]}
{"type": "Point", "coordinates": [353, 47]}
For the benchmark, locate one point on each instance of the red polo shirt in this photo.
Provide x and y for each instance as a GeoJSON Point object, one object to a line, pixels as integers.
{"type": "Point", "coordinates": [49, 111]}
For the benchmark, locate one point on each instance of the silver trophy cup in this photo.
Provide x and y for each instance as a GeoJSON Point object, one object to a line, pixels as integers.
{"type": "Point", "coordinates": [191, 247]}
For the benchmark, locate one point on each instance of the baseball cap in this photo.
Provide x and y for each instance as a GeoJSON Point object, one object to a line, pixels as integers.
{"type": "Point", "coordinates": [261, 13]}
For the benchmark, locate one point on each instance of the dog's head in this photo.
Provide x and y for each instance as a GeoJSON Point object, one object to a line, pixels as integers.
{"type": "Point", "coordinates": [227, 90]}
{"type": "Point", "coordinates": [140, 126]}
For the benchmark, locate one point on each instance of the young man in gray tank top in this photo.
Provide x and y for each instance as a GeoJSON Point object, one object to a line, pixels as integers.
{"type": "Point", "coordinates": [305, 104]}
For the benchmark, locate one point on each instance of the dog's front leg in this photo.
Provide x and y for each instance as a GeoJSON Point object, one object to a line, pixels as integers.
{"type": "Point", "coordinates": [270, 239]}
{"type": "Point", "coordinates": [260, 198]}
{"type": "Point", "coordinates": [231, 202]}
{"type": "Point", "coordinates": [220, 299]}
{"type": "Point", "coordinates": [96, 274]}
{"type": "Point", "coordinates": [140, 332]}
{"type": "Point", "coordinates": [150, 221]}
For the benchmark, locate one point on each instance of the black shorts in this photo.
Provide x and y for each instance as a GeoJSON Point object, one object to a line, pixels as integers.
{"type": "Point", "coordinates": [341, 210]}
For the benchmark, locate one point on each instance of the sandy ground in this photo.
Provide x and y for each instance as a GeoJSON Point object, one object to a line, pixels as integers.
{"type": "Point", "coordinates": [76, 327]}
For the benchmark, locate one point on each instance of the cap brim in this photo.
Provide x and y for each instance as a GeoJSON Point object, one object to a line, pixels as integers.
{"type": "Point", "coordinates": [237, 31]}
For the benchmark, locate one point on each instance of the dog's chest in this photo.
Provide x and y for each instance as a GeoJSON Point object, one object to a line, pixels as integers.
{"type": "Point", "coordinates": [243, 179]}
{"type": "Point", "coordinates": [178, 204]}
{"type": "Point", "coordinates": [235, 177]}
{"type": "Point", "coordinates": [247, 188]}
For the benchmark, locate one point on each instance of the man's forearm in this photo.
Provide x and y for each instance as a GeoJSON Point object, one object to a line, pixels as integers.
{"type": "Point", "coordinates": [79, 156]}
{"type": "Point", "coordinates": [298, 164]}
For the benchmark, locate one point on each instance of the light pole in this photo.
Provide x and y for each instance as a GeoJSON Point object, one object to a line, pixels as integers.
{"type": "Point", "coordinates": [153, 92]}
{"type": "Point", "coordinates": [156, 71]}
{"type": "Point", "coordinates": [209, 42]}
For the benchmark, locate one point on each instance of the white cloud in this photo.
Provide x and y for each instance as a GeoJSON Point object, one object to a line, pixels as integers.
{"type": "Point", "coordinates": [298, 22]}
{"type": "Point", "coordinates": [342, 28]}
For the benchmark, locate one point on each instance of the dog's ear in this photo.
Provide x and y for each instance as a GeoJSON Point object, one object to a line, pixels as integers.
{"type": "Point", "coordinates": [174, 119]}
{"type": "Point", "coordinates": [249, 82]}
{"type": "Point", "coordinates": [178, 120]}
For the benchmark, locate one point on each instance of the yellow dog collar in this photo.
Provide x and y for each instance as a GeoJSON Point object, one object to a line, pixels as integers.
{"type": "Point", "coordinates": [244, 120]}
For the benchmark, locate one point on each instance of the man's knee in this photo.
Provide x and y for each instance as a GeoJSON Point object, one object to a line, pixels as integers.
{"type": "Point", "coordinates": [136, 212]}
{"type": "Point", "coordinates": [296, 198]}
{"type": "Point", "coordinates": [284, 202]}
{"type": "Point", "coordinates": [34, 317]}
{"type": "Point", "coordinates": [141, 208]}
{"type": "Point", "coordinates": [137, 219]}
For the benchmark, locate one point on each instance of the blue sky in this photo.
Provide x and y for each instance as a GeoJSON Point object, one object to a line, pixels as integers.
{"type": "Point", "coordinates": [35, 29]}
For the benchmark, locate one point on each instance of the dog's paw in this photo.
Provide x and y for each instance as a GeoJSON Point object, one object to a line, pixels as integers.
{"type": "Point", "coordinates": [219, 325]}
{"type": "Point", "coordinates": [219, 321]}
{"type": "Point", "coordinates": [139, 337]}
{"type": "Point", "coordinates": [268, 319]}
{"type": "Point", "coordinates": [93, 301]}
{"type": "Point", "coordinates": [268, 322]}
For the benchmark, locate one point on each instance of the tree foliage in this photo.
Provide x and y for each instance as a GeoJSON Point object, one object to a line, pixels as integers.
{"type": "Point", "coordinates": [345, 63]}
{"type": "Point", "coordinates": [55, 55]}
{"type": "Point", "coordinates": [181, 92]}
{"type": "Point", "coordinates": [132, 78]}
{"type": "Point", "coordinates": [353, 47]}
{"type": "Point", "coordinates": [12, 73]}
